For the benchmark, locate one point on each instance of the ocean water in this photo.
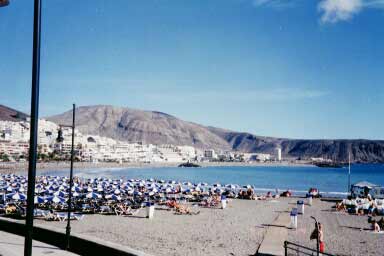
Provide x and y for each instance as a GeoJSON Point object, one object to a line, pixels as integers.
{"type": "Point", "coordinates": [330, 181]}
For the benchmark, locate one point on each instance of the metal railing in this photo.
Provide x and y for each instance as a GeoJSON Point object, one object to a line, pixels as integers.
{"type": "Point", "coordinates": [296, 249]}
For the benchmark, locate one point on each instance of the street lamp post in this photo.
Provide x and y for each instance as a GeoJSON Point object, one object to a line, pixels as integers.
{"type": "Point", "coordinates": [33, 122]}
{"type": "Point", "coordinates": [60, 139]}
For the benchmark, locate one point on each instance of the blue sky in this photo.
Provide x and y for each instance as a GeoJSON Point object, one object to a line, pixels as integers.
{"type": "Point", "coordinates": [287, 68]}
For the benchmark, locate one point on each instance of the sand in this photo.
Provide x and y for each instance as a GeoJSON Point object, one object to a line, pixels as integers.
{"type": "Point", "coordinates": [236, 230]}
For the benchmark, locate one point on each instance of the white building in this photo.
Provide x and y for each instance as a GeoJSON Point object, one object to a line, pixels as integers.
{"type": "Point", "coordinates": [210, 154]}
{"type": "Point", "coordinates": [278, 154]}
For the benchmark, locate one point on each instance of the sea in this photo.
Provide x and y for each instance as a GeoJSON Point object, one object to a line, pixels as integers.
{"type": "Point", "coordinates": [331, 182]}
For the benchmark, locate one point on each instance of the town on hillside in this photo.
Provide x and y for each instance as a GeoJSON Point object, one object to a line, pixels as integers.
{"type": "Point", "coordinates": [14, 145]}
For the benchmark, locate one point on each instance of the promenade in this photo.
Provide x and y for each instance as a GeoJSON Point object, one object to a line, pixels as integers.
{"type": "Point", "coordinates": [13, 245]}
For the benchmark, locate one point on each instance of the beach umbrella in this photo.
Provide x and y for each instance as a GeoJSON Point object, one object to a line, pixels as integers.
{"type": "Point", "coordinates": [117, 192]}
{"type": "Point", "coordinates": [76, 189]}
{"type": "Point", "coordinates": [231, 186]}
{"type": "Point", "coordinates": [113, 197]}
{"type": "Point", "coordinates": [59, 193]}
{"type": "Point", "coordinates": [218, 190]}
{"type": "Point", "coordinates": [55, 199]}
{"type": "Point", "coordinates": [17, 196]}
{"type": "Point", "coordinates": [62, 187]}
{"type": "Point", "coordinates": [93, 195]}
{"type": "Point", "coordinates": [50, 188]}
{"type": "Point", "coordinates": [10, 189]}
{"type": "Point", "coordinates": [75, 194]}
{"type": "Point", "coordinates": [39, 200]}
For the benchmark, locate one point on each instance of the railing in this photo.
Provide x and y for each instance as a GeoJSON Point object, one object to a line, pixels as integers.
{"type": "Point", "coordinates": [296, 249]}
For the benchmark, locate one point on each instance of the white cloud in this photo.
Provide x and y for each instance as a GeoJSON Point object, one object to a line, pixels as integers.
{"type": "Point", "coordinates": [339, 10]}
{"type": "Point", "coordinates": [343, 10]}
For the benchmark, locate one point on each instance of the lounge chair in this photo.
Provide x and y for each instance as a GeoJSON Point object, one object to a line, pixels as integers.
{"type": "Point", "coordinates": [38, 213]}
{"type": "Point", "coordinates": [105, 209]}
{"type": "Point", "coordinates": [63, 216]}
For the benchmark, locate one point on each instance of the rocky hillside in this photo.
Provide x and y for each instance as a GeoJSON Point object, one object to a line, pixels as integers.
{"type": "Point", "coordinates": [338, 150]}
{"type": "Point", "coordinates": [9, 114]}
{"type": "Point", "coordinates": [132, 125]}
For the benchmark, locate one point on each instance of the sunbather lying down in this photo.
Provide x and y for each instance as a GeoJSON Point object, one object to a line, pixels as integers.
{"type": "Point", "coordinates": [10, 209]}
{"type": "Point", "coordinates": [183, 209]}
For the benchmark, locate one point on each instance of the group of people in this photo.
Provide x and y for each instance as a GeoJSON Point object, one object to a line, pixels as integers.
{"type": "Point", "coordinates": [361, 206]}
{"type": "Point", "coordinates": [364, 206]}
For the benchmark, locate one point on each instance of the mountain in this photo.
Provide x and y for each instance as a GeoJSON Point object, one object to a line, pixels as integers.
{"type": "Point", "coordinates": [371, 151]}
{"type": "Point", "coordinates": [10, 114]}
{"type": "Point", "coordinates": [337, 150]}
{"type": "Point", "coordinates": [133, 125]}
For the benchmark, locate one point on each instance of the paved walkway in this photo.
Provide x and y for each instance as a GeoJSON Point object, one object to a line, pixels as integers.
{"type": "Point", "coordinates": [276, 234]}
{"type": "Point", "coordinates": [13, 245]}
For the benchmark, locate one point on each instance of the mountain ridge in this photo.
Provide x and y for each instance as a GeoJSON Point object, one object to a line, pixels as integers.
{"type": "Point", "coordinates": [10, 114]}
{"type": "Point", "coordinates": [156, 127]}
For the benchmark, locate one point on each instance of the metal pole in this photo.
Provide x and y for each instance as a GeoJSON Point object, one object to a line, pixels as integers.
{"type": "Point", "coordinates": [317, 237]}
{"type": "Point", "coordinates": [349, 173]}
{"type": "Point", "coordinates": [68, 229]}
{"type": "Point", "coordinates": [34, 128]}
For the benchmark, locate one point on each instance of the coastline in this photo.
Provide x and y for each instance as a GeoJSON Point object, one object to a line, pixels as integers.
{"type": "Point", "coordinates": [42, 166]}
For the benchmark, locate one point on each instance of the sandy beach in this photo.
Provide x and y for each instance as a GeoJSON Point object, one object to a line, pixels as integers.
{"type": "Point", "coordinates": [237, 230]}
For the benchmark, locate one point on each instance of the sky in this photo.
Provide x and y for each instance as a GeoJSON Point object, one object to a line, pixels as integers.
{"type": "Point", "coordinates": [287, 68]}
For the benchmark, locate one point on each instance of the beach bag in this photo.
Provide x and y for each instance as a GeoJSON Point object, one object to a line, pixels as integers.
{"type": "Point", "coordinates": [314, 234]}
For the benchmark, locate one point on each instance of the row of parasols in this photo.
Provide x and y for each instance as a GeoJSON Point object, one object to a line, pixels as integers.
{"type": "Point", "coordinates": [55, 189]}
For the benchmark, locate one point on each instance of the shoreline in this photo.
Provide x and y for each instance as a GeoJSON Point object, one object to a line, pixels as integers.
{"type": "Point", "coordinates": [42, 166]}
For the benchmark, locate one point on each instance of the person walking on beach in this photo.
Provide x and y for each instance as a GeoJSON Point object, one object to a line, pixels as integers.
{"type": "Point", "coordinates": [318, 234]}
